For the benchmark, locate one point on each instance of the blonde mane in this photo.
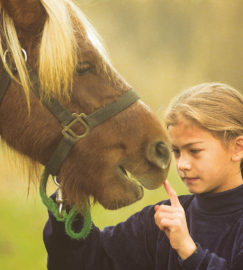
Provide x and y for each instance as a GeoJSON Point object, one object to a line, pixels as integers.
{"type": "Point", "coordinates": [58, 57]}
{"type": "Point", "coordinates": [58, 53]}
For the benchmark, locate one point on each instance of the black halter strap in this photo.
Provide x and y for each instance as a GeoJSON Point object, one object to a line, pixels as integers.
{"type": "Point", "coordinates": [4, 82]}
{"type": "Point", "coordinates": [68, 119]}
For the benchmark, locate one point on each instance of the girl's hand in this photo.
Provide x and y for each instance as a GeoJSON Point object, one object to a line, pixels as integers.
{"type": "Point", "coordinates": [171, 219]}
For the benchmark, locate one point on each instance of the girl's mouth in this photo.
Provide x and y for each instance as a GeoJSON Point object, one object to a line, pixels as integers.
{"type": "Point", "coordinates": [190, 179]}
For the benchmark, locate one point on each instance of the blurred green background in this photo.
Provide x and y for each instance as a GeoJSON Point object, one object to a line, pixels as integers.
{"type": "Point", "coordinates": [161, 47]}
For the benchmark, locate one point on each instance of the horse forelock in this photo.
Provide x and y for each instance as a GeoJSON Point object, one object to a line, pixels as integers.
{"type": "Point", "coordinates": [59, 49]}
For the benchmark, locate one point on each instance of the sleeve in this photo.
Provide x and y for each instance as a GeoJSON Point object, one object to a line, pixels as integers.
{"type": "Point", "coordinates": [128, 245]}
{"type": "Point", "coordinates": [203, 259]}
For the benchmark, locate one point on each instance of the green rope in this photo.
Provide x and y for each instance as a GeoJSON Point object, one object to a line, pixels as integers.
{"type": "Point", "coordinates": [86, 227]}
{"type": "Point", "coordinates": [68, 218]}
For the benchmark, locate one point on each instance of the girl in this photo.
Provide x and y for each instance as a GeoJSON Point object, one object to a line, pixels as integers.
{"type": "Point", "coordinates": [199, 231]}
{"type": "Point", "coordinates": [205, 125]}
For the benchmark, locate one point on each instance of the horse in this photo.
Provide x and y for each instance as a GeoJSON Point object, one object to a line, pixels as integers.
{"type": "Point", "coordinates": [51, 44]}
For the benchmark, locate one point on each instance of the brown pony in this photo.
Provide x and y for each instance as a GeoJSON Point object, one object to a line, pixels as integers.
{"type": "Point", "coordinates": [59, 42]}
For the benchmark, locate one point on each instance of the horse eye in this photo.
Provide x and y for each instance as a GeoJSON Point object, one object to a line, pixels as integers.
{"type": "Point", "coordinates": [84, 68]}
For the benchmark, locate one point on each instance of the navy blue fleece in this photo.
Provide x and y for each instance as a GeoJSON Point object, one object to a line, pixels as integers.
{"type": "Point", "coordinates": [215, 223]}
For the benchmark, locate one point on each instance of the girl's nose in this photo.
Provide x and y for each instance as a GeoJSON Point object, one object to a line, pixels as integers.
{"type": "Point", "coordinates": [183, 164]}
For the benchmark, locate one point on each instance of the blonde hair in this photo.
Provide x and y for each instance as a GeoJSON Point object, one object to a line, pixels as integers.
{"type": "Point", "coordinates": [216, 107]}
{"type": "Point", "coordinates": [58, 52]}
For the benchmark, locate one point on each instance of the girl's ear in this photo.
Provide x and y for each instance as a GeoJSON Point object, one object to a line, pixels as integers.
{"type": "Point", "coordinates": [238, 149]}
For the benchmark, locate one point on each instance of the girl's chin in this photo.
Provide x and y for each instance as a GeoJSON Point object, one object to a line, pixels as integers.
{"type": "Point", "coordinates": [195, 188]}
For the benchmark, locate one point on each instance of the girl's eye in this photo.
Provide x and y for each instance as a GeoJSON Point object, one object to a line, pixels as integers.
{"type": "Point", "coordinates": [195, 151]}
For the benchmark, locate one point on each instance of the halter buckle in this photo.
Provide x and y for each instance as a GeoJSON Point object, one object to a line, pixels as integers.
{"type": "Point", "coordinates": [79, 118]}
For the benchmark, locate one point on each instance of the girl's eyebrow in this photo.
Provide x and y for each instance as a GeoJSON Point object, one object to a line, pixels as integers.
{"type": "Point", "coordinates": [186, 145]}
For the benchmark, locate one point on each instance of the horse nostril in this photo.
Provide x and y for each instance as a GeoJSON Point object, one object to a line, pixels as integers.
{"type": "Point", "coordinates": [159, 154]}
{"type": "Point", "coordinates": [163, 153]}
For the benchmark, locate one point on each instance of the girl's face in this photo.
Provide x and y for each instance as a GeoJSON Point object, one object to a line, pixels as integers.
{"type": "Point", "coordinates": [203, 162]}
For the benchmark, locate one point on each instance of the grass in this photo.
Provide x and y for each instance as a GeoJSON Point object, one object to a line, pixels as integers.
{"type": "Point", "coordinates": [21, 245]}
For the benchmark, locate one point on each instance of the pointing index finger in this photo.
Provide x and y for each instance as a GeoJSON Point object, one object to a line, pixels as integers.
{"type": "Point", "coordinates": [172, 194]}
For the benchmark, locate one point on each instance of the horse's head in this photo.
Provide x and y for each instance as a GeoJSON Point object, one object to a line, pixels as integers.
{"type": "Point", "coordinates": [103, 164]}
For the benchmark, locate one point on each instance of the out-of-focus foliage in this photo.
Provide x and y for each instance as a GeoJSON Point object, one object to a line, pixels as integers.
{"type": "Point", "coordinates": [161, 47]}
{"type": "Point", "coordinates": [164, 46]}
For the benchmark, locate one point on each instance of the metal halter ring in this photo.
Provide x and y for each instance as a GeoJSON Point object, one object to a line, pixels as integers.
{"type": "Point", "coordinates": [7, 51]}
{"type": "Point", "coordinates": [59, 197]}
{"type": "Point", "coordinates": [55, 181]}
